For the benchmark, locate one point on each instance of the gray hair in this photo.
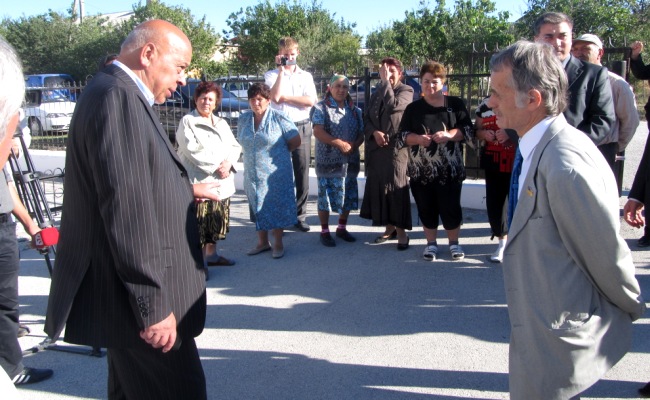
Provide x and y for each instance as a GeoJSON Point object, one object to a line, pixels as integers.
{"type": "Point", "coordinates": [534, 66]}
{"type": "Point", "coordinates": [552, 18]}
{"type": "Point", "coordinates": [12, 80]}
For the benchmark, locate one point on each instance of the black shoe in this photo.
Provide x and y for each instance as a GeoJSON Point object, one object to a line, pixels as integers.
{"type": "Point", "coordinates": [645, 391]}
{"type": "Point", "coordinates": [404, 246]}
{"type": "Point", "coordinates": [382, 238]}
{"type": "Point", "coordinates": [302, 226]}
{"type": "Point", "coordinates": [643, 242]}
{"type": "Point", "coordinates": [32, 375]}
{"type": "Point", "coordinates": [23, 330]}
{"type": "Point", "coordinates": [327, 240]}
{"type": "Point", "coordinates": [345, 235]}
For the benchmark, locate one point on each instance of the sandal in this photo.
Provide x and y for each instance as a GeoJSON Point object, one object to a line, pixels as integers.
{"type": "Point", "coordinates": [384, 238]}
{"type": "Point", "coordinates": [457, 252]}
{"type": "Point", "coordinates": [430, 252]}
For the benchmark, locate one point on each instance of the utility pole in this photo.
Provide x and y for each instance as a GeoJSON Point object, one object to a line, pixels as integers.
{"type": "Point", "coordinates": [81, 5]}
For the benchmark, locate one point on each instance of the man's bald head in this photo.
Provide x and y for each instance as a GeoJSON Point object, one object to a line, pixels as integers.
{"type": "Point", "coordinates": [158, 52]}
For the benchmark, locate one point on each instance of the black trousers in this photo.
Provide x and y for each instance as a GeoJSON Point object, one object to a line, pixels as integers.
{"type": "Point", "coordinates": [497, 187]}
{"type": "Point", "coordinates": [301, 158]}
{"type": "Point", "coordinates": [147, 373]}
{"type": "Point", "coordinates": [609, 151]}
{"type": "Point", "coordinates": [11, 355]}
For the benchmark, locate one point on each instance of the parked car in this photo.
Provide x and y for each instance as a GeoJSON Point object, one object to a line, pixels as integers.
{"type": "Point", "coordinates": [181, 103]}
{"type": "Point", "coordinates": [48, 110]}
{"type": "Point", "coordinates": [238, 85]}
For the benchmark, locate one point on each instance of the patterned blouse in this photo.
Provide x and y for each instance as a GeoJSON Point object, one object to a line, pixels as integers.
{"type": "Point", "coordinates": [442, 164]}
{"type": "Point", "coordinates": [344, 123]}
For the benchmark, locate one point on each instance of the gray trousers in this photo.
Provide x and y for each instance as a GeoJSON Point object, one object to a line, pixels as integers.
{"type": "Point", "coordinates": [301, 158]}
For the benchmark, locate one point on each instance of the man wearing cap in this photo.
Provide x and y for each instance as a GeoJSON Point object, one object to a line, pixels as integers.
{"type": "Point", "coordinates": [590, 106]}
{"type": "Point", "coordinates": [589, 48]}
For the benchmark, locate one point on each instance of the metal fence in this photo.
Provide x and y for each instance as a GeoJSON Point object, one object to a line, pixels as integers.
{"type": "Point", "coordinates": [472, 84]}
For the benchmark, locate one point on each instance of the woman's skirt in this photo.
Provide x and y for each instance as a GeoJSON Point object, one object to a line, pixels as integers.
{"type": "Point", "coordinates": [214, 220]}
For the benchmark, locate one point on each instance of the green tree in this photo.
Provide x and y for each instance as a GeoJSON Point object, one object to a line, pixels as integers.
{"type": "Point", "coordinates": [202, 35]}
{"type": "Point", "coordinates": [54, 42]}
{"type": "Point", "coordinates": [613, 21]}
{"type": "Point", "coordinates": [435, 33]}
{"type": "Point", "coordinates": [257, 30]}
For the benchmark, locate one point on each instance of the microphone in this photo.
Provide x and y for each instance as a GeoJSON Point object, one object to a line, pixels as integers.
{"type": "Point", "coordinates": [46, 237]}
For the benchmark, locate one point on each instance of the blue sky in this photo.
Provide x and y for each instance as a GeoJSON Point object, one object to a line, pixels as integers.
{"type": "Point", "coordinates": [369, 15]}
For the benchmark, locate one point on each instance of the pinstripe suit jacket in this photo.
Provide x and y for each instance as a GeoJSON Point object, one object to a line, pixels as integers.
{"type": "Point", "coordinates": [129, 251]}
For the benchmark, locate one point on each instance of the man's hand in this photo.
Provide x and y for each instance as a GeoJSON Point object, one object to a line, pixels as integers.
{"type": "Point", "coordinates": [637, 49]}
{"type": "Point", "coordinates": [15, 147]}
{"type": "Point", "coordinates": [203, 191]}
{"type": "Point", "coordinates": [632, 213]}
{"type": "Point", "coordinates": [162, 334]}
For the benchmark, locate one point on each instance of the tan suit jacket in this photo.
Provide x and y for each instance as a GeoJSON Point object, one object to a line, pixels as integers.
{"type": "Point", "coordinates": [569, 275]}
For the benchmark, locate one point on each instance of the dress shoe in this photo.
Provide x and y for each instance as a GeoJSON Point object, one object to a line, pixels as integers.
{"type": "Point", "coordinates": [404, 246]}
{"type": "Point", "coordinates": [23, 330]}
{"type": "Point", "coordinates": [643, 242]}
{"type": "Point", "coordinates": [258, 250]}
{"type": "Point", "coordinates": [345, 235]}
{"type": "Point", "coordinates": [302, 226]}
{"type": "Point", "coordinates": [32, 375]}
{"type": "Point", "coordinates": [384, 238]}
{"type": "Point", "coordinates": [278, 253]}
{"type": "Point", "coordinates": [327, 240]}
{"type": "Point", "coordinates": [221, 261]}
{"type": "Point", "coordinates": [645, 391]}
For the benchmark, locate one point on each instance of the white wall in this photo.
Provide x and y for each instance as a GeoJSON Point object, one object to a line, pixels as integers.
{"type": "Point", "coordinates": [473, 195]}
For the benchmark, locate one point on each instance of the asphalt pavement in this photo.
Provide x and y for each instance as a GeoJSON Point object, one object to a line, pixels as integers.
{"type": "Point", "coordinates": [358, 321]}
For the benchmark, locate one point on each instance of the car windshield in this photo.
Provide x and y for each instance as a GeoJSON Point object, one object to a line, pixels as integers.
{"type": "Point", "coordinates": [53, 96]}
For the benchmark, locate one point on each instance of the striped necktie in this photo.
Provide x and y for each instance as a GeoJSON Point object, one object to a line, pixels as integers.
{"type": "Point", "coordinates": [514, 186]}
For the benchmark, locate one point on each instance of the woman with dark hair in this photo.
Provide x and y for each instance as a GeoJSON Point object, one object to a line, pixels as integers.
{"type": "Point", "coordinates": [268, 137]}
{"type": "Point", "coordinates": [386, 200]}
{"type": "Point", "coordinates": [434, 127]}
{"type": "Point", "coordinates": [208, 150]}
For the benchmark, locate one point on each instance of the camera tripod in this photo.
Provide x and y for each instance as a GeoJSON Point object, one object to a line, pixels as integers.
{"type": "Point", "coordinates": [29, 185]}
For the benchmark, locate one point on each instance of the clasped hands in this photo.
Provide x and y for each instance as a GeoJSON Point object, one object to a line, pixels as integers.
{"type": "Point", "coordinates": [161, 334]}
{"type": "Point", "coordinates": [440, 137]}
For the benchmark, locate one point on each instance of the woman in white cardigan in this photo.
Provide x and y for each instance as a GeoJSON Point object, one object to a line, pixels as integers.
{"type": "Point", "coordinates": [209, 151]}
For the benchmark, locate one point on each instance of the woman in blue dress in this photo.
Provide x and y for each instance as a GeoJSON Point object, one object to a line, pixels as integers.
{"type": "Point", "coordinates": [267, 137]}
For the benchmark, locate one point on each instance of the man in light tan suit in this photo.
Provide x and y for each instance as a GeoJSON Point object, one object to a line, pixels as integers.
{"type": "Point", "coordinates": [569, 276]}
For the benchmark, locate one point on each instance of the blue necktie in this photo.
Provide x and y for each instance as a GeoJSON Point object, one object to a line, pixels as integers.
{"type": "Point", "coordinates": [514, 186]}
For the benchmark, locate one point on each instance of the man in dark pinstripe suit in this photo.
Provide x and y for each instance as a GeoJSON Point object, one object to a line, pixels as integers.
{"type": "Point", "coordinates": [128, 274]}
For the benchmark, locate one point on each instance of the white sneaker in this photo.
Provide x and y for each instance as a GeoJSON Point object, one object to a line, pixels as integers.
{"type": "Point", "coordinates": [497, 256]}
